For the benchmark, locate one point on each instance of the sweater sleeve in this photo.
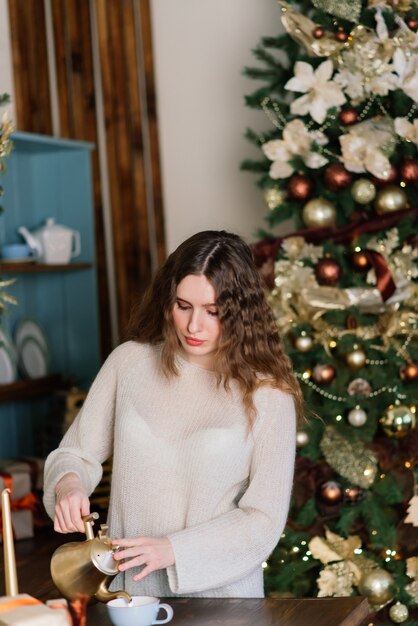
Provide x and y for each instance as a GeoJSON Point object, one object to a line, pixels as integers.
{"type": "Point", "coordinates": [88, 442]}
{"type": "Point", "coordinates": [225, 549]}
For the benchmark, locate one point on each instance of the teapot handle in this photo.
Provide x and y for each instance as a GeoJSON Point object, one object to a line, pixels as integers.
{"type": "Point", "coordinates": [77, 244]}
{"type": "Point", "coordinates": [87, 526]}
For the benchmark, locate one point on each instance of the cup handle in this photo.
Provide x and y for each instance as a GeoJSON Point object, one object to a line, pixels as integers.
{"type": "Point", "coordinates": [167, 608]}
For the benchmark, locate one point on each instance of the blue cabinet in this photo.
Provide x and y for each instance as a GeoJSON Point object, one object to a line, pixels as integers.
{"type": "Point", "coordinates": [49, 177]}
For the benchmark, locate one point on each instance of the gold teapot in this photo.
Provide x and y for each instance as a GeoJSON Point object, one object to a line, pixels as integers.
{"type": "Point", "coordinates": [85, 568]}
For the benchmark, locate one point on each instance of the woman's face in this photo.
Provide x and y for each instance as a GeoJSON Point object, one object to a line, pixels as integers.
{"type": "Point", "coordinates": [195, 319]}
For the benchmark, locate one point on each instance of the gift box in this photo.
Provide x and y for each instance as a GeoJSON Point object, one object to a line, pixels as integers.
{"type": "Point", "coordinates": [16, 477]}
{"type": "Point", "coordinates": [27, 464]}
{"type": "Point", "coordinates": [24, 610]}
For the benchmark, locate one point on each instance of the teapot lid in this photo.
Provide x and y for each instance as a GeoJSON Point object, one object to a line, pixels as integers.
{"type": "Point", "coordinates": [102, 556]}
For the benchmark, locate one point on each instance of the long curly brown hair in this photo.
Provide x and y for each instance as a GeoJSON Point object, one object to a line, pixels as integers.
{"type": "Point", "coordinates": [250, 349]}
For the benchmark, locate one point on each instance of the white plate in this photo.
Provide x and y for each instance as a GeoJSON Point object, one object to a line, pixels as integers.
{"type": "Point", "coordinates": [33, 360]}
{"type": "Point", "coordinates": [29, 328]}
{"type": "Point", "coordinates": [8, 372]}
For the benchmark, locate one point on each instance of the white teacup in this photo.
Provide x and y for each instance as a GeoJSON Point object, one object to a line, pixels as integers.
{"type": "Point", "coordinates": [141, 611]}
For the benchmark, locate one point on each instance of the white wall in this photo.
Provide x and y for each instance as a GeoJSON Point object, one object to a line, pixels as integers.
{"type": "Point", "coordinates": [200, 48]}
{"type": "Point", "coordinates": [6, 71]}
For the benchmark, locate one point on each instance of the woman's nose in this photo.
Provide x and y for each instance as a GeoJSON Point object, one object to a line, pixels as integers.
{"type": "Point", "coordinates": [194, 324]}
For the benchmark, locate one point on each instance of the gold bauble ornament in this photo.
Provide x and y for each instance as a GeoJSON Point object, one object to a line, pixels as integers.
{"type": "Point", "coordinates": [273, 197]}
{"type": "Point", "coordinates": [377, 586]}
{"type": "Point", "coordinates": [398, 613]}
{"type": "Point", "coordinates": [303, 343]}
{"type": "Point", "coordinates": [390, 198]}
{"type": "Point", "coordinates": [318, 213]}
{"type": "Point", "coordinates": [363, 191]}
{"type": "Point", "coordinates": [356, 359]}
{"type": "Point", "coordinates": [397, 420]}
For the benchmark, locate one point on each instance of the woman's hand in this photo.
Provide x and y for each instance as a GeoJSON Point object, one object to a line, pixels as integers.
{"type": "Point", "coordinates": [153, 552]}
{"type": "Point", "coordinates": [71, 503]}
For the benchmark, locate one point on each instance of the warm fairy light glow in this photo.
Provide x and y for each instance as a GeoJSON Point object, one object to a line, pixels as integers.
{"type": "Point", "coordinates": [382, 475]}
{"type": "Point", "coordinates": [368, 471]}
{"type": "Point", "coordinates": [374, 532]}
{"type": "Point", "coordinates": [357, 249]}
{"type": "Point", "coordinates": [358, 550]}
{"type": "Point", "coordinates": [408, 465]}
{"type": "Point", "coordinates": [306, 374]}
{"type": "Point", "coordinates": [332, 344]}
{"type": "Point", "coordinates": [295, 549]}
{"type": "Point", "coordinates": [402, 184]}
{"type": "Point", "coordinates": [303, 543]}
{"type": "Point", "coordinates": [305, 558]}
{"type": "Point", "coordinates": [338, 418]}
{"type": "Point", "coordinates": [264, 565]}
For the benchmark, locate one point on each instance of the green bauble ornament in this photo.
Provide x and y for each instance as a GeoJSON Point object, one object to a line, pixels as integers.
{"type": "Point", "coordinates": [318, 213]}
{"type": "Point", "coordinates": [398, 420]}
{"type": "Point", "coordinates": [376, 585]}
{"type": "Point", "coordinates": [398, 613]}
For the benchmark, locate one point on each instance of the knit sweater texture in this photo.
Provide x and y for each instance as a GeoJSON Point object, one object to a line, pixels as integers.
{"type": "Point", "coordinates": [185, 466]}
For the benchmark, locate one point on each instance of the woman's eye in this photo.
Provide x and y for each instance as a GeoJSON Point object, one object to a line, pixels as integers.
{"type": "Point", "coordinates": [213, 313]}
{"type": "Point", "coordinates": [183, 307]}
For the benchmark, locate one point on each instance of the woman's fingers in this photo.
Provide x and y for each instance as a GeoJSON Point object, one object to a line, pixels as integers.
{"type": "Point", "coordinates": [135, 562]}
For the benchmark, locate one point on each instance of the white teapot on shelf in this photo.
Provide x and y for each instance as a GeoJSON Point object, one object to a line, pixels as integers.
{"type": "Point", "coordinates": [52, 243]}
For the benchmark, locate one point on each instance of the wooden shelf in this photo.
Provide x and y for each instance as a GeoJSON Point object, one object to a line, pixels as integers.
{"type": "Point", "coordinates": [30, 388]}
{"type": "Point", "coordinates": [35, 268]}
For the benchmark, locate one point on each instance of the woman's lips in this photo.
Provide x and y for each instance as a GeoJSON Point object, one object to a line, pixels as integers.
{"type": "Point", "coordinates": [193, 342]}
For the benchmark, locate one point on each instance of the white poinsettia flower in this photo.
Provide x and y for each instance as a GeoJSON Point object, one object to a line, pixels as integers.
{"type": "Point", "coordinates": [406, 129]}
{"type": "Point", "coordinates": [406, 67]}
{"type": "Point", "coordinates": [296, 141]}
{"type": "Point", "coordinates": [322, 93]}
{"type": "Point", "coordinates": [365, 148]}
{"type": "Point", "coordinates": [365, 69]}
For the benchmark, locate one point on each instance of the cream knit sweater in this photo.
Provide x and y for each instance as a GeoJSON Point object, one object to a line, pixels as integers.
{"type": "Point", "coordinates": [184, 466]}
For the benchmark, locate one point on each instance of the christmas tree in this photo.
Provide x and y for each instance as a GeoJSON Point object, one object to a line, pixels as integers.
{"type": "Point", "coordinates": [339, 157]}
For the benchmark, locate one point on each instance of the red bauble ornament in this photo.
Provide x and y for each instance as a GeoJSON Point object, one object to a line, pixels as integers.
{"type": "Point", "coordinates": [408, 170]}
{"type": "Point", "coordinates": [409, 372]}
{"type": "Point", "coordinates": [327, 271]}
{"type": "Point", "coordinates": [389, 180]}
{"type": "Point", "coordinates": [323, 374]}
{"type": "Point", "coordinates": [341, 36]}
{"type": "Point", "coordinates": [412, 24]}
{"type": "Point", "coordinates": [318, 32]}
{"type": "Point", "coordinates": [360, 261]}
{"type": "Point", "coordinates": [353, 494]}
{"type": "Point", "coordinates": [299, 187]}
{"type": "Point", "coordinates": [331, 492]}
{"type": "Point", "coordinates": [336, 177]}
{"type": "Point", "coordinates": [348, 116]}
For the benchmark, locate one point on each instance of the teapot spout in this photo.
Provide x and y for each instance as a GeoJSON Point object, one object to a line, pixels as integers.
{"type": "Point", "coordinates": [104, 595]}
{"type": "Point", "coordinates": [32, 242]}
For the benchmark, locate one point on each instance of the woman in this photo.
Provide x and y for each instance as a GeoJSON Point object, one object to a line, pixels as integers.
{"type": "Point", "coordinates": [198, 411]}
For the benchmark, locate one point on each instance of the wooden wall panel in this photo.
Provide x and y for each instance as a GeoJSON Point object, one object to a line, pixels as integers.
{"type": "Point", "coordinates": [30, 65]}
{"type": "Point", "coordinates": [131, 134]}
{"type": "Point", "coordinates": [77, 115]}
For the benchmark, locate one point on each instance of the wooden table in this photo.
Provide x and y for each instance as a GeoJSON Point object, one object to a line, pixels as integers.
{"type": "Point", "coordinates": [33, 558]}
{"type": "Point", "coordinates": [255, 612]}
